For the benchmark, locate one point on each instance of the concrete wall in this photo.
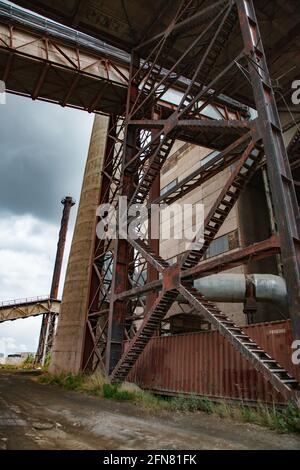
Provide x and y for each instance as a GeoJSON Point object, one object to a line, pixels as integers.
{"type": "Point", "coordinates": [68, 343]}
{"type": "Point", "coordinates": [178, 166]}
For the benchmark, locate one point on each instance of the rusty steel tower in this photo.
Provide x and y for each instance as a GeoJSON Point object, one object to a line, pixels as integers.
{"type": "Point", "coordinates": [139, 143]}
{"type": "Point", "coordinates": [204, 50]}
{"type": "Point", "coordinates": [48, 321]}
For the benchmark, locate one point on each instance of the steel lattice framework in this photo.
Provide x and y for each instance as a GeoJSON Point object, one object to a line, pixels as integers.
{"type": "Point", "coordinates": [131, 287]}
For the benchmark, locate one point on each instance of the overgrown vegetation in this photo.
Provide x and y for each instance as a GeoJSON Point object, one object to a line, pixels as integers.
{"type": "Point", "coordinates": [69, 382]}
{"type": "Point", "coordinates": [282, 420]}
{"type": "Point", "coordinates": [47, 360]}
{"type": "Point", "coordinates": [28, 363]}
{"type": "Point", "coordinates": [9, 366]}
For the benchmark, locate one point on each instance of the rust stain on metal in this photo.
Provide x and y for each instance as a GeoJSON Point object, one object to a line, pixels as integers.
{"type": "Point", "coordinates": [206, 364]}
{"type": "Point", "coordinates": [171, 278]}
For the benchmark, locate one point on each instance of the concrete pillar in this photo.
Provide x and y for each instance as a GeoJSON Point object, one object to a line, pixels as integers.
{"type": "Point", "coordinates": [68, 343]}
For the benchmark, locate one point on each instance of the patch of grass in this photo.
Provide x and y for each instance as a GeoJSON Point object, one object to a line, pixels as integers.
{"type": "Point", "coordinates": [114, 392]}
{"type": "Point", "coordinates": [69, 382]}
{"type": "Point", "coordinates": [224, 410]}
{"type": "Point", "coordinates": [191, 403]}
{"type": "Point", "coordinates": [150, 402]}
{"type": "Point", "coordinates": [9, 366]}
{"type": "Point", "coordinates": [28, 363]}
{"type": "Point", "coordinates": [248, 415]}
{"type": "Point", "coordinates": [281, 420]}
{"type": "Point", "coordinates": [291, 416]}
{"type": "Point", "coordinates": [93, 384]}
{"type": "Point", "coordinates": [285, 420]}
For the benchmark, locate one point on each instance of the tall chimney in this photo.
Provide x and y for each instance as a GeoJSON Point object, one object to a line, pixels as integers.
{"type": "Point", "coordinates": [48, 322]}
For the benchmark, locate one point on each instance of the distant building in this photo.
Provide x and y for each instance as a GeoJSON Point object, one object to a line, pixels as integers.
{"type": "Point", "coordinates": [14, 359]}
{"type": "Point", "coordinates": [18, 358]}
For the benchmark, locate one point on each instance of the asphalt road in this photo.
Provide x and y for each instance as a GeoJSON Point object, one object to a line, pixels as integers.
{"type": "Point", "coordinates": [35, 416]}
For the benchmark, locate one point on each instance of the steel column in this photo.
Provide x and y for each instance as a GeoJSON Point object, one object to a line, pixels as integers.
{"type": "Point", "coordinates": [123, 252]}
{"type": "Point", "coordinates": [281, 183]}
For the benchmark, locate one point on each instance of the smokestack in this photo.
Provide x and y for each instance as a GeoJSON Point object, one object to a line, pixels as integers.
{"type": "Point", "coordinates": [68, 202]}
{"type": "Point", "coordinates": [48, 322]}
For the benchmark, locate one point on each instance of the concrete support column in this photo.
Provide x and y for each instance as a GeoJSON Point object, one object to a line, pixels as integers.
{"type": "Point", "coordinates": [69, 339]}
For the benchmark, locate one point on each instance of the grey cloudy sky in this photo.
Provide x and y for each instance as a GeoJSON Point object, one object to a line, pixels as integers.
{"type": "Point", "coordinates": [43, 150]}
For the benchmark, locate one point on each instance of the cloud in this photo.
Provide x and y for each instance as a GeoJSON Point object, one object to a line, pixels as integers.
{"type": "Point", "coordinates": [43, 153]}
{"type": "Point", "coordinates": [20, 336]}
{"type": "Point", "coordinates": [27, 254]}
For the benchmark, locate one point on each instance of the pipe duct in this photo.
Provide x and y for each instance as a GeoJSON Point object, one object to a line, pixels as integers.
{"type": "Point", "coordinates": [232, 288]}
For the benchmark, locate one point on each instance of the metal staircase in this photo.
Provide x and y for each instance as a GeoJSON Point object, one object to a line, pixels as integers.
{"type": "Point", "coordinates": [157, 261]}
{"type": "Point", "coordinates": [187, 123]}
{"type": "Point", "coordinates": [156, 162]}
{"type": "Point", "coordinates": [218, 45]}
{"type": "Point", "coordinates": [222, 207]}
{"type": "Point", "coordinates": [272, 371]}
{"type": "Point", "coordinates": [210, 57]}
{"type": "Point", "coordinates": [261, 361]}
{"type": "Point", "coordinates": [149, 326]}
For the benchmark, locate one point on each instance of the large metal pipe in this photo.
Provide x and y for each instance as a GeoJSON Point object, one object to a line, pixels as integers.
{"type": "Point", "coordinates": [232, 288]}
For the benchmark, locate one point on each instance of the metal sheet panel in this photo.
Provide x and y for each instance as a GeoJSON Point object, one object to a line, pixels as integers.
{"type": "Point", "coordinates": [206, 364]}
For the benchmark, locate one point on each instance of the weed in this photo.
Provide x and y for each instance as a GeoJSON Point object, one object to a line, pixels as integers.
{"type": "Point", "coordinates": [47, 360]}
{"type": "Point", "coordinates": [191, 403]}
{"type": "Point", "coordinates": [114, 392]}
{"type": "Point", "coordinates": [248, 415]}
{"type": "Point", "coordinates": [93, 384]}
{"type": "Point", "coordinates": [69, 382]}
{"type": "Point", "coordinates": [223, 410]}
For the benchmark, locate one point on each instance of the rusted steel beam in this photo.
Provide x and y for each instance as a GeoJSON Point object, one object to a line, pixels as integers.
{"type": "Point", "coordinates": [206, 123]}
{"type": "Point", "coordinates": [153, 225]}
{"type": "Point", "coordinates": [183, 24]}
{"type": "Point", "coordinates": [254, 252]}
{"type": "Point", "coordinates": [279, 173]}
{"type": "Point", "coordinates": [97, 276]}
{"type": "Point", "coordinates": [225, 158]}
{"type": "Point", "coordinates": [123, 252]}
{"type": "Point", "coordinates": [257, 251]}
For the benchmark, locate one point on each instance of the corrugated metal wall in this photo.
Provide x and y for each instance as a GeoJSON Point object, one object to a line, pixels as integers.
{"type": "Point", "coordinates": [206, 364]}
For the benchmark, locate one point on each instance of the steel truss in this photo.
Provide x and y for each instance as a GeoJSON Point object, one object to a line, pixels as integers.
{"type": "Point", "coordinates": [131, 287]}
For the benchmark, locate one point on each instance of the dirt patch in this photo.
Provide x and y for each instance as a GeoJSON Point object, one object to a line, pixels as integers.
{"type": "Point", "coordinates": [35, 416]}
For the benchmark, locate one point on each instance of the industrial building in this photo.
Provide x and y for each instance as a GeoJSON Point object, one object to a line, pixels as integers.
{"type": "Point", "coordinates": [194, 104]}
